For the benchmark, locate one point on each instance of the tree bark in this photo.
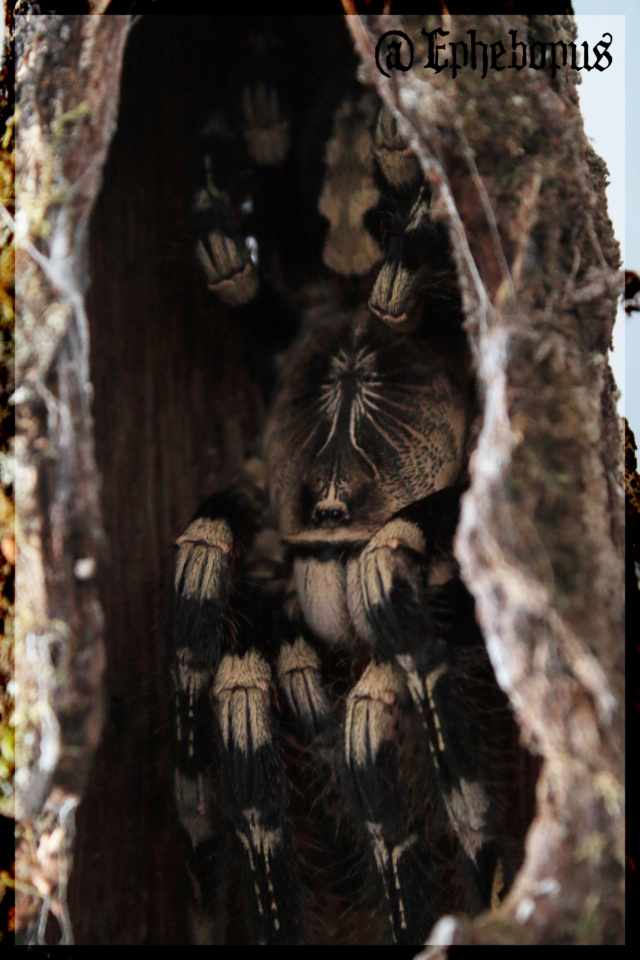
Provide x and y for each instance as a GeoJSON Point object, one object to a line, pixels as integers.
{"type": "Point", "coordinates": [67, 95]}
{"type": "Point", "coordinates": [102, 493]}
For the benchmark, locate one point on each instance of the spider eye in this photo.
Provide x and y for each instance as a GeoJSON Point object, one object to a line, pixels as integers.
{"type": "Point", "coordinates": [320, 514]}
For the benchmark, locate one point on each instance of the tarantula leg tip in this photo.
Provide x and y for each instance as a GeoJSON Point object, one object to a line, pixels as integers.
{"type": "Point", "coordinates": [298, 669]}
{"type": "Point", "coordinates": [392, 320]}
{"type": "Point", "coordinates": [239, 288]}
{"type": "Point", "coordinates": [202, 562]}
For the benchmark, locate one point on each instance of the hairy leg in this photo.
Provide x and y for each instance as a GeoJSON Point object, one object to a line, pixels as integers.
{"type": "Point", "coordinates": [406, 599]}
{"type": "Point", "coordinates": [222, 635]}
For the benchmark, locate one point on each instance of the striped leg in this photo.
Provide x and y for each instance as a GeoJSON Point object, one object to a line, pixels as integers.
{"type": "Point", "coordinates": [376, 786]}
{"type": "Point", "coordinates": [255, 793]}
{"type": "Point", "coordinates": [194, 790]}
{"type": "Point", "coordinates": [223, 722]}
{"type": "Point", "coordinates": [226, 262]}
{"type": "Point", "coordinates": [406, 599]}
{"type": "Point", "coordinates": [304, 697]}
{"type": "Point", "coordinates": [229, 260]}
{"type": "Point", "coordinates": [205, 557]}
{"type": "Point", "coordinates": [403, 276]}
{"type": "Point", "coordinates": [458, 747]}
{"type": "Point", "coordinates": [397, 163]}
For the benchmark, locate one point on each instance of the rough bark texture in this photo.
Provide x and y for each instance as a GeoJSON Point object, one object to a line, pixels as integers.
{"type": "Point", "coordinates": [542, 535]}
{"type": "Point", "coordinates": [542, 531]}
{"type": "Point", "coordinates": [7, 501]}
{"type": "Point", "coordinates": [632, 593]}
{"type": "Point", "coordinates": [67, 88]}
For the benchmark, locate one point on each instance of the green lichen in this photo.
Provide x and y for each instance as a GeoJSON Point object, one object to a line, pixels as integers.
{"type": "Point", "coordinates": [62, 124]}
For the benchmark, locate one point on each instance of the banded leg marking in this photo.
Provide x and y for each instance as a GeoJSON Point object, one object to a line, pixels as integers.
{"type": "Point", "coordinates": [373, 768]}
{"type": "Point", "coordinates": [193, 731]}
{"type": "Point", "coordinates": [201, 578]}
{"type": "Point", "coordinates": [202, 566]}
{"type": "Point", "coordinates": [386, 588]}
{"type": "Point", "coordinates": [388, 861]}
{"type": "Point", "coordinates": [371, 716]}
{"type": "Point", "coordinates": [398, 285]}
{"type": "Point", "coordinates": [241, 693]}
{"type": "Point", "coordinates": [398, 163]}
{"type": "Point", "coordinates": [300, 680]}
{"type": "Point", "coordinates": [225, 260]}
{"type": "Point", "coordinates": [256, 794]}
{"type": "Point", "coordinates": [453, 744]}
{"type": "Point", "coordinates": [262, 847]}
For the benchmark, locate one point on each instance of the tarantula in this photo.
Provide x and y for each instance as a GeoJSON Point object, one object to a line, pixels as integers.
{"type": "Point", "coordinates": [320, 630]}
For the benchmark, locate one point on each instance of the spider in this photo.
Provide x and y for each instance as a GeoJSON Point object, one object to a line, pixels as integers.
{"type": "Point", "coordinates": [325, 653]}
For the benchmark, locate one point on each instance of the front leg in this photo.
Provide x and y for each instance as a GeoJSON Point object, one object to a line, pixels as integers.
{"type": "Point", "coordinates": [222, 629]}
{"type": "Point", "coordinates": [406, 599]}
{"type": "Point", "coordinates": [225, 259]}
{"type": "Point", "coordinates": [379, 785]}
{"type": "Point", "coordinates": [393, 581]}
